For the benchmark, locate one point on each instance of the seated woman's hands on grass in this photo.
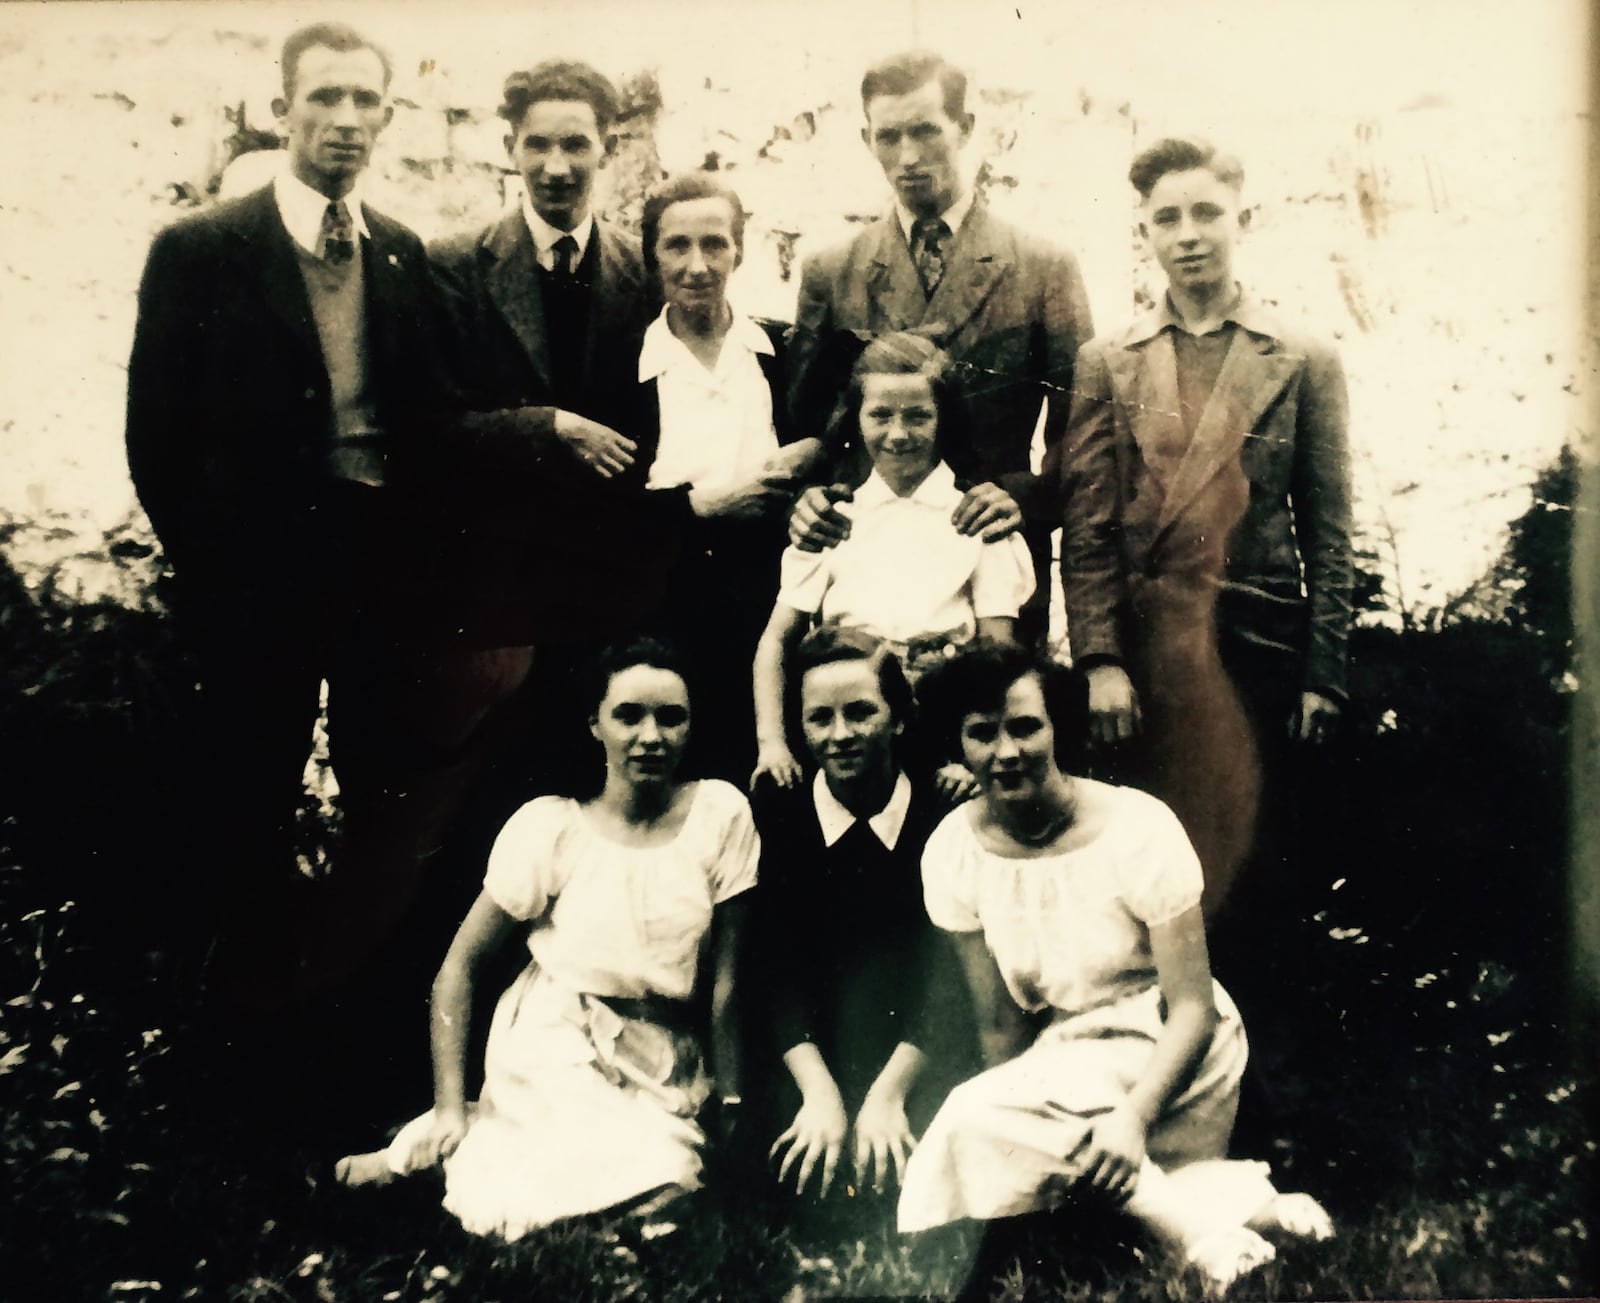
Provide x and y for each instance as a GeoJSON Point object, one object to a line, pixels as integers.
{"type": "Point", "coordinates": [815, 1136]}
{"type": "Point", "coordinates": [883, 1140]}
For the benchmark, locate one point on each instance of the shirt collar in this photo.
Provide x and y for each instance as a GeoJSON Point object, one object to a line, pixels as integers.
{"type": "Point", "coordinates": [953, 215]}
{"type": "Point", "coordinates": [302, 208]}
{"type": "Point", "coordinates": [938, 491]}
{"type": "Point", "coordinates": [1247, 311]}
{"type": "Point", "coordinates": [835, 820]}
{"type": "Point", "coordinates": [662, 351]}
{"type": "Point", "coordinates": [545, 235]}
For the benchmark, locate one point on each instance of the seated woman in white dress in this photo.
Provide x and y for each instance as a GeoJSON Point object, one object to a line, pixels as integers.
{"type": "Point", "coordinates": [905, 574]}
{"type": "Point", "coordinates": [593, 1076]}
{"type": "Point", "coordinates": [1075, 905]}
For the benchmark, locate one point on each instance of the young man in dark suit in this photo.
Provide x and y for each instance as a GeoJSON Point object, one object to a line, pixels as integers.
{"type": "Point", "coordinates": [548, 305]}
{"type": "Point", "coordinates": [555, 544]}
{"type": "Point", "coordinates": [1009, 308]}
{"type": "Point", "coordinates": [282, 364]}
{"type": "Point", "coordinates": [1206, 553]}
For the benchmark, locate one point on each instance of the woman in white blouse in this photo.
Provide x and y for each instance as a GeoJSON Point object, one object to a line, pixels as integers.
{"type": "Point", "coordinates": [1115, 1058]}
{"type": "Point", "coordinates": [712, 425]}
{"type": "Point", "coordinates": [593, 1076]}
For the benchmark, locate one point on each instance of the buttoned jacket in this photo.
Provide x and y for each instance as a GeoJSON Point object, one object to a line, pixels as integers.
{"type": "Point", "coordinates": [549, 547]}
{"type": "Point", "coordinates": [1256, 515]}
{"type": "Point", "coordinates": [229, 416]}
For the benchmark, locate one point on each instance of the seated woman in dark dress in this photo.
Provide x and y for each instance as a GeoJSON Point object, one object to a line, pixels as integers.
{"type": "Point", "coordinates": [856, 995]}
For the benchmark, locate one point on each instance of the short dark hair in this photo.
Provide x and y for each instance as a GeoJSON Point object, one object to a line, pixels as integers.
{"type": "Point", "coordinates": [978, 677]}
{"type": "Point", "coordinates": [902, 352]}
{"type": "Point", "coordinates": [900, 74]}
{"type": "Point", "coordinates": [681, 189]}
{"type": "Point", "coordinates": [560, 79]}
{"type": "Point", "coordinates": [1183, 154]}
{"type": "Point", "coordinates": [336, 36]}
{"type": "Point", "coordinates": [831, 643]}
{"type": "Point", "coordinates": [654, 652]}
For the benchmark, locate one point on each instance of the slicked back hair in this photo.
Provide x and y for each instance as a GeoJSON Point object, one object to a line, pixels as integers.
{"type": "Point", "coordinates": [680, 189]}
{"type": "Point", "coordinates": [335, 36]}
{"type": "Point", "coordinates": [1183, 154]}
{"type": "Point", "coordinates": [560, 79]}
{"type": "Point", "coordinates": [900, 74]}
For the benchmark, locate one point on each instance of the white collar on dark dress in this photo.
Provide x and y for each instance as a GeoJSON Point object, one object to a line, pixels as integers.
{"type": "Point", "coordinates": [836, 820]}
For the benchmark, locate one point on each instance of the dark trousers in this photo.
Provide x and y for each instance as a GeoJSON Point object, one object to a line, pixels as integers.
{"type": "Point", "coordinates": [408, 716]}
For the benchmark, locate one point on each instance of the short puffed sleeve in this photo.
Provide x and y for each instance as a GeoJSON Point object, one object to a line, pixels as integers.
{"type": "Point", "coordinates": [731, 833]}
{"type": "Point", "coordinates": [1159, 872]}
{"type": "Point", "coordinates": [804, 579]}
{"type": "Point", "coordinates": [528, 863]}
{"type": "Point", "coordinates": [951, 860]}
{"type": "Point", "coordinates": [1003, 578]}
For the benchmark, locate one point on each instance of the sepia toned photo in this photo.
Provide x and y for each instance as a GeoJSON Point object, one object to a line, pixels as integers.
{"type": "Point", "coordinates": [798, 650]}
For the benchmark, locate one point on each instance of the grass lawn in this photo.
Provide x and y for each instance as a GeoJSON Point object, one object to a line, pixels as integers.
{"type": "Point", "coordinates": [1422, 1081]}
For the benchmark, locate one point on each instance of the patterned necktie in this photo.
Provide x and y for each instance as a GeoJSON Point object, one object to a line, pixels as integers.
{"type": "Point", "coordinates": [338, 234]}
{"type": "Point", "coordinates": [566, 250]}
{"type": "Point", "coordinates": [929, 236]}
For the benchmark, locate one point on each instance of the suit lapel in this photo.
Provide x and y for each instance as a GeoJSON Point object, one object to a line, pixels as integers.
{"type": "Point", "coordinates": [894, 290]}
{"type": "Point", "coordinates": [612, 297]}
{"type": "Point", "coordinates": [383, 271]}
{"type": "Point", "coordinates": [1252, 376]}
{"type": "Point", "coordinates": [277, 266]}
{"type": "Point", "coordinates": [978, 258]}
{"type": "Point", "coordinates": [1144, 378]}
{"type": "Point", "coordinates": [513, 281]}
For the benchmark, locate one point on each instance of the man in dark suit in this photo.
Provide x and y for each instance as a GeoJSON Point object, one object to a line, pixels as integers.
{"type": "Point", "coordinates": [282, 361]}
{"type": "Point", "coordinates": [1206, 553]}
{"type": "Point", "coordinates": [554, 544]}
{"type": "Point", "coordinates": [548, 305]}
{"type": "Point", "coordinates": [1010, 310]}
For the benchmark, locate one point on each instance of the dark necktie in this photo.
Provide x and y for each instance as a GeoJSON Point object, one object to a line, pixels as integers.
{"type": "Point", "coordinates": [928, 239]}
{"type": "Point", "coordinates": [338, 234]}
{"type": "Point", "coordinates": [566, 251]}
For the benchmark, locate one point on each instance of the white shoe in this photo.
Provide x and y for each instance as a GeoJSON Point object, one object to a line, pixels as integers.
{"type": "Point", "coordinates": [1298, 1215]}
{"type": "Point", "coordinates": [1224, 1256]}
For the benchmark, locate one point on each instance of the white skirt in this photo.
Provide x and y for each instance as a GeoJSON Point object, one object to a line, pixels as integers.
{"type": "Point", "coordinates": [1010, 1140]}
{"type": "Point", "coordinates": [582, 1110]}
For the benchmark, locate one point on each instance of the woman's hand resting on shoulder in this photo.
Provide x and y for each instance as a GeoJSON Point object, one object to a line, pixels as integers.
{"type": "Point", "coordinates": [442, 1138]}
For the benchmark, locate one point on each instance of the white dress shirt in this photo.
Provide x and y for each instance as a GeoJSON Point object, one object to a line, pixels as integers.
{"type": "Point", "coordinates": [545, 235]}
{"type": "Point", "coordinates": [905, 571]}
{"type": "Point", "coordinates": [302, 208]}
{"type": "Point", "coordinates": [716, 425]}
{"type": "Point", "coordinates": [835, 820]}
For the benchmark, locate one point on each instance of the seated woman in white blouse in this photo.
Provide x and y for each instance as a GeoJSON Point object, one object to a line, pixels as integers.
{"type": "Point", "coordinates": [905, 574]}
{"type": "Point", "coordinates": [1114, 1057]}
{"type": "Point", "coordinates": [711, 417]}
